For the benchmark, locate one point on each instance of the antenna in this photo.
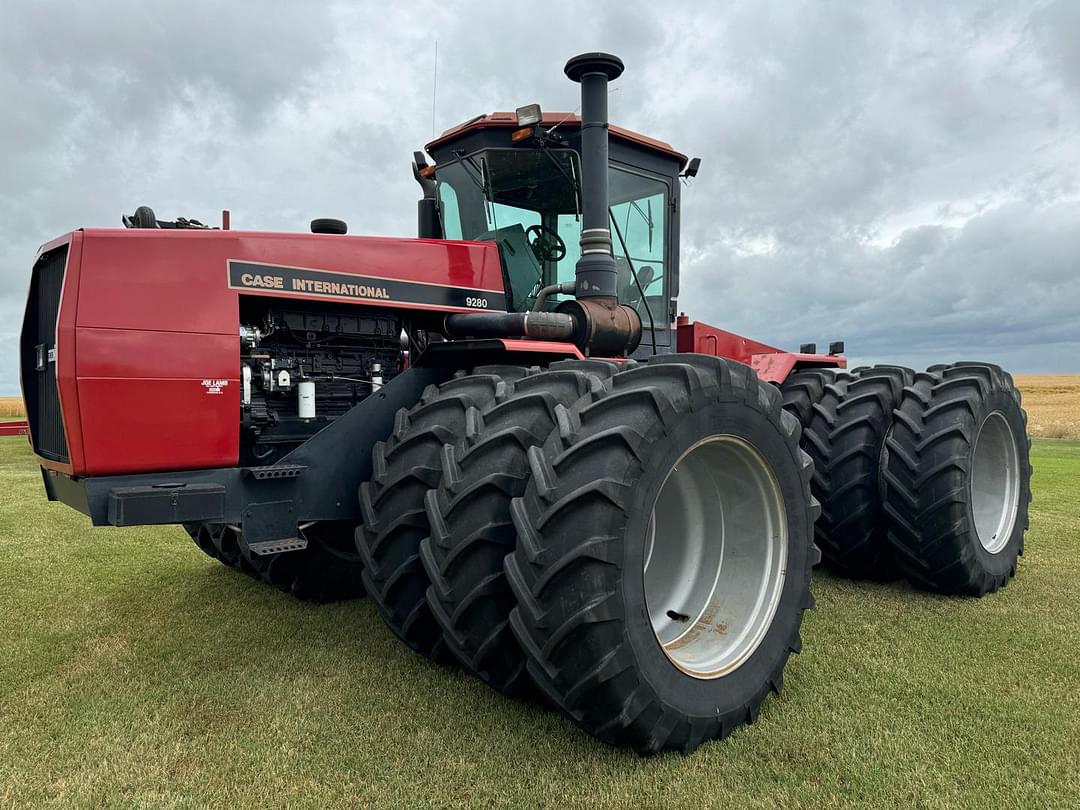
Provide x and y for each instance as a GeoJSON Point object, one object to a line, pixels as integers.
{"type": "Point", "coordinates": [434, 88]}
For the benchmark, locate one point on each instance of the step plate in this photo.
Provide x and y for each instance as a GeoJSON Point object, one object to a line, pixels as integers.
{"type": "Point", "coordinates": [275, 472]}
{"type": "Point", "coordinates": [268, 547]}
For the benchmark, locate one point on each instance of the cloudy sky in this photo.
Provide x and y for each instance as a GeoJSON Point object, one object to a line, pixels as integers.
{"type": "Point", "coordinates": [902, 175]}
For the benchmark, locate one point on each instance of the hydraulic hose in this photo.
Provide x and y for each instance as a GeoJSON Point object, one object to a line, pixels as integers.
{"type": "Point", "coordinates": [565, 288]}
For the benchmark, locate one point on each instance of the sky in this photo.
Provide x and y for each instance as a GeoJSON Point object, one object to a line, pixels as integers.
{"type": "Point", "coordinates": [904, 176]}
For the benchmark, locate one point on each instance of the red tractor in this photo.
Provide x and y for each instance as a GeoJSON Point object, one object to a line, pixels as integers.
{"type": "Point", "coordinates": [502, 432]}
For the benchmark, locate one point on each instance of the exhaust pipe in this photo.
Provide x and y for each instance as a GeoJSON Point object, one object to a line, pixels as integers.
{"type": "Point", "coordinates": [605, 327]}
{"type": "Point", "coordinates": [595, 271]}
{"type": "Point", "coordinates": [594, 319]}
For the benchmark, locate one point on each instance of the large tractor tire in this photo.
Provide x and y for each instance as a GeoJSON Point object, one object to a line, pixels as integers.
{"type": "Point", "coordinates": [328, 570]}
{"type": "Point", "coordinates": [802, 390]}
{"type": "Point", "coordinates": [958, 479]}
{"type": "Point", "coordinates": [845, 437]}
{"type": "Point", "coordinates": [394, 520]}
{"type": "Point", "coordinates": [665, 541]}
{"type": "Point", "coordinates": [471, 526]}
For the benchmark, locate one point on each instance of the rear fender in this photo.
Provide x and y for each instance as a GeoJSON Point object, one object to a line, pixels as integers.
{"type": "Point", "coordinates": [771, 363]}
{"type": "Point", "coordinates": [775, 367]}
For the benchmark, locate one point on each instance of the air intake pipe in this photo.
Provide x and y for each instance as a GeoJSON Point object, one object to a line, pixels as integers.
{"type": "Point", "coordinates": [536, 325]}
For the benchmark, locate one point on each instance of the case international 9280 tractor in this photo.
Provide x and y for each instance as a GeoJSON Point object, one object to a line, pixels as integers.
{"type": "Point", "coordinates": [502, 433]}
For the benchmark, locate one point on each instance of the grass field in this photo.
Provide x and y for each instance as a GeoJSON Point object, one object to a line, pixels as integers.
{"type": "Point", "coordinates": [136, 671]}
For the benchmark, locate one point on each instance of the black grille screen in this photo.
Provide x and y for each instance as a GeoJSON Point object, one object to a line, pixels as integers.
{"type": "Point", "coordinates": [38, 352]}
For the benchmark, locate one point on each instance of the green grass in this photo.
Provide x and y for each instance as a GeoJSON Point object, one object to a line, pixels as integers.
{"type": "Point", "coordinates": [136, 671]}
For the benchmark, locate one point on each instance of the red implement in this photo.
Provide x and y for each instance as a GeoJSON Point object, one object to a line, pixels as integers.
{"type": "Point", "coordinates": [21, 428]}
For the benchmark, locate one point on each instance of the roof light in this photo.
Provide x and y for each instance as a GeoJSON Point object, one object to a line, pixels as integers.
{"type": "Point", "coordinates": [528, 115]}
{"type": "Point", "coordinates": [521, 134]}
{"type": "Point", "coordinates": [427, 171]}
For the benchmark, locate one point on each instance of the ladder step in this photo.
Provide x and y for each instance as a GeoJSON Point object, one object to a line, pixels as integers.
{"type": "Point", "coordinates": [275, 471]}
{"type": "Point", "coordinates": [268, 547]}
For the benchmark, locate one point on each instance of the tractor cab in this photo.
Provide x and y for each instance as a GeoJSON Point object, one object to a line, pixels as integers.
{"type": "Point", "coordinates": [515, 179]}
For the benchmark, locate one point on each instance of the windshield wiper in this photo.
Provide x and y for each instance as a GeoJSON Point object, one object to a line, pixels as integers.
{"type": "Point", "coordinates": [473, 170]}
{"type": "Point", "coordinates": [648, 218]}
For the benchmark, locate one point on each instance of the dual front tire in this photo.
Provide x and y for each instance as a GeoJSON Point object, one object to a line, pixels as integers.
{"type": "Point", "coordinates": [664, 553]}
{"type": "Point", "coordinates": [470, 517]}
{"type": "Point", "coordinates": [572, 543]}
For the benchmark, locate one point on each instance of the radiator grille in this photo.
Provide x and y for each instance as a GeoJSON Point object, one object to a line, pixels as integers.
{"type": "Point", "coordinates": [39, 357]}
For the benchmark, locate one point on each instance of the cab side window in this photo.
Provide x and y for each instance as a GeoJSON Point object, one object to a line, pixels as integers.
{"type": "Point", "coordinates": [638, 235]}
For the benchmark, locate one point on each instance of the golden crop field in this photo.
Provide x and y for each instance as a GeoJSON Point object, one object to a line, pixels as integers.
{"type": "Point", "coordinates": [11, 406]}
{"type": "Point", "coordinates": [1052, 402]}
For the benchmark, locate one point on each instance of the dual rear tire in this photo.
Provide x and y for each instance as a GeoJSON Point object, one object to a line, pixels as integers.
{"type": "Point", "coordinates": [923, 475]}
{"type": "Point", "coordinates": [845, 418]}
{"type": "Point", "coordinates": [958, 479]}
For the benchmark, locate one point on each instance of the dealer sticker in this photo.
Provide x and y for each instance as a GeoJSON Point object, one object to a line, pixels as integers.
{"type": "Point", "coordinates": [214, 386]}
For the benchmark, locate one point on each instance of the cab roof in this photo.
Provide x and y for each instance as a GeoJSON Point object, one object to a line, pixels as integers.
{"type": "Point", "coordinates": [508, 120]}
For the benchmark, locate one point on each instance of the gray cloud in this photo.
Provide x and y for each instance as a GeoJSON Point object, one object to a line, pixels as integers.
{"type": "Point", "coordinates": [902, 176]}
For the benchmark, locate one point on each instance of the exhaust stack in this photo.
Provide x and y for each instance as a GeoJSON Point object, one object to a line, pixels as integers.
{"type": "Point", "coordinates": [594, 319]}
{"type": "Point", "coordinates": [595, 271]}
{"type": "Point", "coordinates": [604, 326]}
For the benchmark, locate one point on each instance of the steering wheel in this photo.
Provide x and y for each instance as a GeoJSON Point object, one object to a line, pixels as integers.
{"type": "Point", "coordinates": [546, 244]}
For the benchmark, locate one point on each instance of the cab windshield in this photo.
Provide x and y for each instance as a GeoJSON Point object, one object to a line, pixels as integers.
{"type": "Point", "coordinates": [507, 195]}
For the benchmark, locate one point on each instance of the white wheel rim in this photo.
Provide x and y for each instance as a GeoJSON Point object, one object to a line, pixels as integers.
{"type": "Point", "coordinates": [995, 482]}
{"type": "Point", "coordinates": [715, 557]}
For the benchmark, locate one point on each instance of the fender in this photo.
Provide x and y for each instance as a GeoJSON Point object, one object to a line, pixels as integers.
{"type": "Point", "coordinates": [771, 363]}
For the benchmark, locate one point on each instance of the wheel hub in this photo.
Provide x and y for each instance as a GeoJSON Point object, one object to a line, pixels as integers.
{"type": "Point", "coordinates": [995, 483]}
{"type": "Point", "coordinates": [715, 557]}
